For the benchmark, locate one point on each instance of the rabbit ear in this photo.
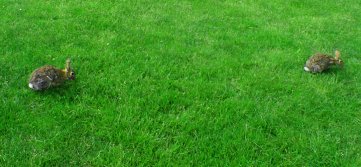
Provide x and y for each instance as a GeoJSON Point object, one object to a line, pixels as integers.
{"type": "Point", "coordinates": [337, 54]}
{"type": "Point", "coordinates": [68, 64]}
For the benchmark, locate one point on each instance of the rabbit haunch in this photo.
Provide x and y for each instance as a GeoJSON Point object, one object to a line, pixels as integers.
{"type": "Point", "coordinates": [49, 76]}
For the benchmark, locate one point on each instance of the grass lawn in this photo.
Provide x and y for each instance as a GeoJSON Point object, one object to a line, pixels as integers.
{"type": "Point", "coordinates": [181, 83]}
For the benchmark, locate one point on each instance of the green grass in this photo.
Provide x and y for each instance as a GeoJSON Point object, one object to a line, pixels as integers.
{"type": "Point", "coordinates": [181, 83]}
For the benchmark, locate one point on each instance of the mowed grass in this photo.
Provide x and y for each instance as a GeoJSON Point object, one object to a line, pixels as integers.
{"type": "Point", "coordinates": [181, 83]}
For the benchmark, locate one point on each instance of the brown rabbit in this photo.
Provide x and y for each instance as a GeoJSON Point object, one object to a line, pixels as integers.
{"type": "Point", "coordinates": [49, 76]}
{"type": "Point", "coordinates": [321, 62]}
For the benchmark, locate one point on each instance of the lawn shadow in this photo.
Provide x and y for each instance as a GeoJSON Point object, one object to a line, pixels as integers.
{"type": "Point", "coordinates": [68, 91]}
{"type": "Point", "coordinates": [342, 74]}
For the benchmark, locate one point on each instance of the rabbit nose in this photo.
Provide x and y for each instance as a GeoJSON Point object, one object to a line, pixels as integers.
{"type": "Point", "coordinates": [72, 77]}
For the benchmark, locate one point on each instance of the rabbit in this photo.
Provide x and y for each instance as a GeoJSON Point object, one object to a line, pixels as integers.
{"type": "Point", "coordinates": [321, 62]}
{"type": "Point", "coordinates": [49, 76]}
